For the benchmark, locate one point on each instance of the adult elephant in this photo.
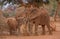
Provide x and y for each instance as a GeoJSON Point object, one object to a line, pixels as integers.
{"type": "Point", "coordinates": [22, 18]}
{"type": "Point", "coordinates": [42, 18]}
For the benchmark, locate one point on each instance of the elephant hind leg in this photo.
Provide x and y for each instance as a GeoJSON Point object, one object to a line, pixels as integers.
{"type": "Point", "coordinates": [36, 28]}
{"type": "Point", "coordinates": [48, 26]}
{"type": "Point", "coordinates": [30, 28]}
{"type": "Point", "coordinates": [43, 28]}
{"type": "Point", "coordinates": [11, 32]}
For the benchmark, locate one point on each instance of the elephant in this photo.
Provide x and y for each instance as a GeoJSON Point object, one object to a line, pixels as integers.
{"type": "Point", "coordinates": [13, 24]}
{"type": "Point", "coordinates": [41, 17]}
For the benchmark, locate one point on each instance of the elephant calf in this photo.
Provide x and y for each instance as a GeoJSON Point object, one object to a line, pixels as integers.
{"type": "Point", "coordinates": [12, 23]}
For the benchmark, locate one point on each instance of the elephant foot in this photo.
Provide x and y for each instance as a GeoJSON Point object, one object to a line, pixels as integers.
{"type": "Point", "coordinates": [50, 33]}
{"type": "Point", "coordinates": [36, 34]}
{"type": "Point", "coordinates": [53, 30]}
{"type": "Point", "coordinates": [26, 34]}
{"type": "Point", "coordinates": [43, 34]}
{"type": "Point", "coordinates": [11, 33]}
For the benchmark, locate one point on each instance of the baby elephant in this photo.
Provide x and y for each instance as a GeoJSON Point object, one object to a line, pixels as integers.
{"type": "Point", "coordinates": [12, 23]}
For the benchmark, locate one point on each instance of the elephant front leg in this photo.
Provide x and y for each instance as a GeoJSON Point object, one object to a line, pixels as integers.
{"type": "Point", "coordinates": [43, 29]}
{"type": "Point", "coordinates": [48, 26]}
{"type": "Point", "coordinates": [36, 28]}
{"type": "Point", "coordinates": [25, 30]}
{"type": "Point", "coordinates": [30, 26]}
{"type": "Point", "coordinates": [10, 30]}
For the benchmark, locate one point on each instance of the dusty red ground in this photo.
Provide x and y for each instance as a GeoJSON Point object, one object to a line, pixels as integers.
{"type": "Point", "coordinates": [56, 35]}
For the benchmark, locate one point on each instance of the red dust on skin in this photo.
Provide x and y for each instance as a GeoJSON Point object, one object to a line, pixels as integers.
{"type": "Point", "coordinates": [12, 23]}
